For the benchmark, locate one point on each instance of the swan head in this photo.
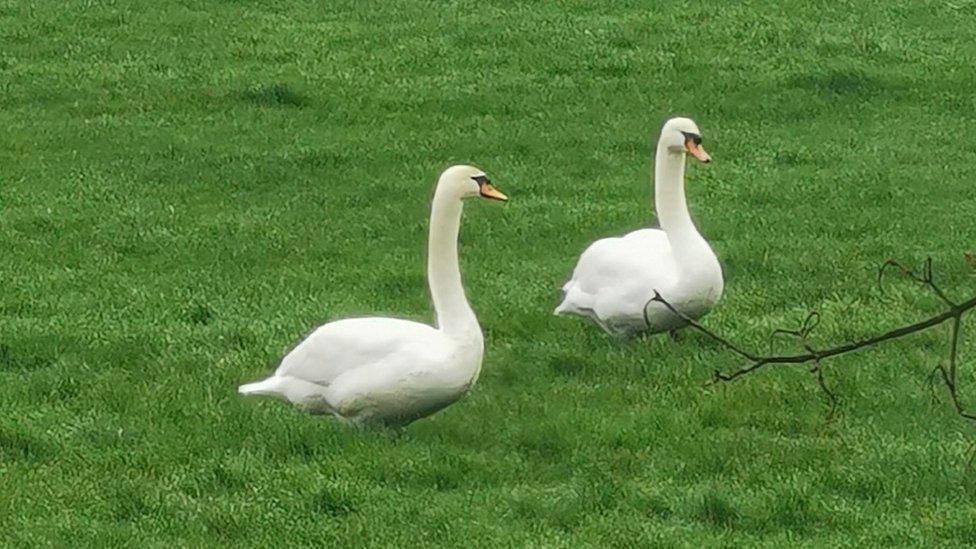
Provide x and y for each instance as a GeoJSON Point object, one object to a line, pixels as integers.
{"type": "Point", "coordinates": [680, 136]}
{"type": "Point", "coordinates": [469, 182]}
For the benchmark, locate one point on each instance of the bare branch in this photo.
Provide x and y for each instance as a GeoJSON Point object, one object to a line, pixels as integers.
{"type": "Point", "coordinates": [754, 361]}
{"type": "Point", "coordinates": [831, 397]}
{"type": "Point", "coordinates": [925, 278]}
{"type": "Point", "coordinates": [801, 334]}
{"type": "Point", "coordinates": [970, 259]}
{"type": "Point", "coordinates": [728, 344]}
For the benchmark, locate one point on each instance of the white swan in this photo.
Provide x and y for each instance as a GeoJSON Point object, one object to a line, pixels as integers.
{"type": "Point", "coordinates": [615, 277]}
{"type": "Point", "coordinates": [387, 370]}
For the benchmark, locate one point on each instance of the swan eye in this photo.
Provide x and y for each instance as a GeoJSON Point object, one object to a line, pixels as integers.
{"type": "Point", "coordinates": [481, 179]}
{"type": "Point", "coordinates": [693, 137]}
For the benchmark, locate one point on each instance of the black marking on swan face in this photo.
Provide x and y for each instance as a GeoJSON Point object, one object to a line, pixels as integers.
{"type": "Point", "coordinates": [693, 137]}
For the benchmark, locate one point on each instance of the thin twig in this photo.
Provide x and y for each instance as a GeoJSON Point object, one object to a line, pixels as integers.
{"type": "Point", "coordinates": [931, 381]}
{"type": "Point", "coordinates": [954, 347]}
{"type": "Point", "coordinates": [812, 321]}
{"type": "Point", "coordinates": [728, 344]}
{"type": "Point", "coordinates": [954, 313]}
{"type": "Point", "coordinates": [760, 361]}
{"type": "Point", "coordinates": [925, 278]}
{"type": "Point", "coordinates": [831, 397]}
{"type": "Point", "coordinates": [970, 259]}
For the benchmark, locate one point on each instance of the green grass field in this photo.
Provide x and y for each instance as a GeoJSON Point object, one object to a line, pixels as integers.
{"type": "Point", "coordinates": [187, 187]}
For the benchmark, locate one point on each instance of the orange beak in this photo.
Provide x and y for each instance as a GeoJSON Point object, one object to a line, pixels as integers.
{"type": "Point", "coordinates": [698, 152]}
{"type": "Point", "coordinates": [488, 191]}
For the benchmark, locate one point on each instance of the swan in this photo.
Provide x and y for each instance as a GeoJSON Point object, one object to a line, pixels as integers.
{"type": "Point", "coordinates": [390, 371]}
{"type": "Point", "coordinates": [616, 277]}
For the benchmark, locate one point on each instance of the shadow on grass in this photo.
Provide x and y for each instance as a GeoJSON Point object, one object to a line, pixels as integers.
{"type": "Point", "coordinates": [13, 360]}
{"type": "Point", "coordinates": [847, 83]}
{"type": "Point", "coordinates": [332, 501]}
{"type": "Point", "coordinates": [17, 445]}
{"type": "Point", "coordinates": [718, 511]}
{"type": "Point", "coordinates": [275, 95]}
{"type": "Point", "coordinates": [568, 365]}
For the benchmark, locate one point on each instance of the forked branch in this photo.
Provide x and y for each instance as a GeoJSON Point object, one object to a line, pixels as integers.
{"type": "Point", "coordinates": [952, 314]}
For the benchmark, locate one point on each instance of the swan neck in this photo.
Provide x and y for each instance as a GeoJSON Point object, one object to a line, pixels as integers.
{"type": "Point", "coordinates": [454, 314]}
{"type": "Point", "coordinates": [669, 193]}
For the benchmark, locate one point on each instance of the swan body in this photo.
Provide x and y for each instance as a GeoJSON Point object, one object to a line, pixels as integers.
{"type": "Point", "coordinates": [616, 277]}
{"type": "Point", "coordinates": [387, 370]}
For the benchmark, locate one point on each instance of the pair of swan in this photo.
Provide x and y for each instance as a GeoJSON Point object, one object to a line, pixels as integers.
{"type": "Point", "coordinates": [391, 372]}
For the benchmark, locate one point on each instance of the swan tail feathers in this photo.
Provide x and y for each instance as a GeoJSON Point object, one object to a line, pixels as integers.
{"type": "Point", "coordinates": [575, 302]}
{"type": "Point", "coordinates": [299, 392]}
{"type": "Point", "coordinates": [564, 308]}
{"type": "Point", "coordinates": [267, 387]}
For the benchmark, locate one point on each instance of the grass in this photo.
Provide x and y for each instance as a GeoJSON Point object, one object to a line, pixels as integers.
{"type": "Point", "coordinates": [186, 188]}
